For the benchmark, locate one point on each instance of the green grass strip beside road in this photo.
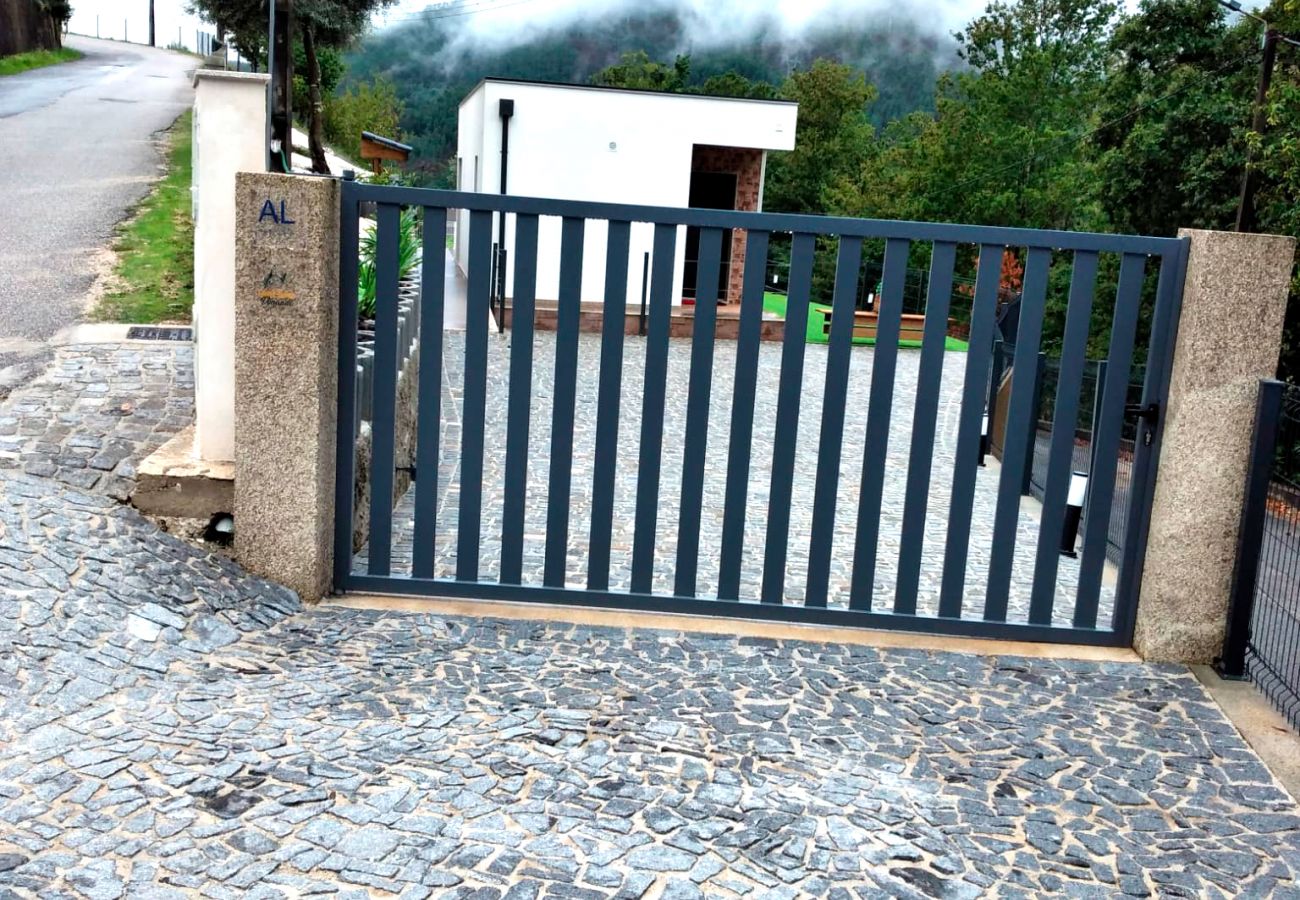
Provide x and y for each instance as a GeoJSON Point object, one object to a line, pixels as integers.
{"type": "Point", "coordinates": [153, 280]}
{"type": "Point", "coordinates": [775, 303]}
{"type": "Point", "coordinates": [35, 59]}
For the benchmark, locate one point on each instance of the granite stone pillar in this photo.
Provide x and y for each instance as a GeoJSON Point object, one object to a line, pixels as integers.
{"type": "Point", "coordinates": [286, 377]}
{"type": "Point", "coordinates": [1229, 337]}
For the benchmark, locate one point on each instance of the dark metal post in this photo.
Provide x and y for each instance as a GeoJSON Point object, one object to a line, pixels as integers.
{"type": "Point", "coordinates": [1250, 180]}
{"type": "Point", "coordinates": [645, 283]}
{"type": "Point", "coordinates": [1035, 407]}
{"type": "Point", "coordinates": [506, 109]}
{"type": "Point", "coordinates": [1098, 393]}
{"type": "Point", "coordinates": [280, 65]}
{"type": "Point", "coordinates": [1250, 534]}
{"type": "Point", "coordinates": [492, 280]}
{"type": "Point", "coordinates": [991, 404]}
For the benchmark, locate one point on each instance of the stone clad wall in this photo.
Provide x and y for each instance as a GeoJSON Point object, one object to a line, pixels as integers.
{"type": "Point", "coordinates": [747, 165]}
{"type": "Point", "coordinates": [286, 377]}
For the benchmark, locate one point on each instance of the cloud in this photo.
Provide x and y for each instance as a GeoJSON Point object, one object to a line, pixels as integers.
{"type": "Point", "coordinates": [499, 23]}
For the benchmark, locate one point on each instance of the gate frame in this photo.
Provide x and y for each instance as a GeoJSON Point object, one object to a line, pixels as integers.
{"type": "Point", "coordinates": [1172, 251]}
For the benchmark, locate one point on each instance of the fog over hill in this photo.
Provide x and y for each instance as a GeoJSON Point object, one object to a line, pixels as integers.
{"type": "Point", "coordinates": [436, 56]}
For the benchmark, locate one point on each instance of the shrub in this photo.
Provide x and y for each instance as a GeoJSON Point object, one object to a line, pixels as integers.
{"type": "Point", "coordinates": [408, 254]}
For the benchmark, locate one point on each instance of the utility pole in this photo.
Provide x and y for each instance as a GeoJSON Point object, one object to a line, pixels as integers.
{"type": "Point", "coordinates": [151, 30]}
{"type": "Point", "coordinates": [1250, 180]}
{"type": "Point", "coordinates": [280, 65]}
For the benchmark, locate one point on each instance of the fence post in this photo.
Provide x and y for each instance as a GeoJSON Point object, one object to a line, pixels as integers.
{"type": "Point", "coordinates": [991, 404]}
{"type": "Point", "coordinates": [286, 377]}
{"type": "Point", "coordinates": [1226, 338]}
{"type": "Point", "coordinates": [1099, 383]}
{"type": "Point", "coordinates": [1250, 536]}
{"type": "Point", "coordinates": [645, 285]}
{"type": "Point", "coordinates": [1036, 403]}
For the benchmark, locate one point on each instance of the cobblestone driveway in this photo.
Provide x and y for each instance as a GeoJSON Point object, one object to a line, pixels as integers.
{"type": "Point", "coordinates": [168, 729]}
{"type": "Point", "coordinates": [715, 477]}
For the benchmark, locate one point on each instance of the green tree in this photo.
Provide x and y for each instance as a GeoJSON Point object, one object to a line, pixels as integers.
{"type": "Point", "coordinates": [1171, 143]}
{"type": "Point", "coordinates": [1003, 145]}
{"type": "Point", "coordinates": [372, 106]}
{"type": "Point", "coordinates": [833, 136]}
{"type": "Point", "coordinates": [319, 24]}
{"type": "Point", "coordinates": [733, 84]}
{"type": "Point", "coordinates": [638, 70]}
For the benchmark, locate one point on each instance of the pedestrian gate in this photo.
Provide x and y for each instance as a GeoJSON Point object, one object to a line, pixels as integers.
{"type": "Point", "coordinates": [829, 483]}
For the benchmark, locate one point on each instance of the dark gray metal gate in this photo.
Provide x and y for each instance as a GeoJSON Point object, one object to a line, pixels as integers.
{"type": "Point", "coordinates": [931, 591]}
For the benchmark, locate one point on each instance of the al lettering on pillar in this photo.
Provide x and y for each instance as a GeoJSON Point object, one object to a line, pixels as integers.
{"type": "Point", "coordinates": [279, 216]}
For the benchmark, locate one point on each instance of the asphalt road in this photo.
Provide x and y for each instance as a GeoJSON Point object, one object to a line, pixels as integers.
{"type": "Point", "coordinates": [78, 147]}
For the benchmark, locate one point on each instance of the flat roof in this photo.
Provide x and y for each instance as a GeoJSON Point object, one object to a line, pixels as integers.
{"type": "Point", "coordinates": [601, 87]}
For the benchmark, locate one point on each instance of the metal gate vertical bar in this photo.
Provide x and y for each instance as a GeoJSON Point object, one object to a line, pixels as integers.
{"type": "Point", "coordinates": [519, 402]}
{"type": "Point", "coordinates": [567, 314]}
{"type": "Point", "coordinates": [700, 382]}
{"type": "Point", "coordinates": [383, 425]}
{"type": "Point", "coordinates": [428, 438]}
{"type": "Point", "coordinates": [1106, 439]}
{"type": "Point", "coordinates": [831, 440]}
{"type": "Point", "coordinates": [650, 457]}
{"type": "Point", "coordinates": [1022, 418]}
{"type": "Point", "coordinates": [608, 400]}
{"type": "Point", "coordinates": [921, 455]}
{"type": "Point", "coordinates": [469, 519]}
{"type": "Point", "coordinates": [345, 461]}
{"type": "Point", "coordinates": [1060, 456]}
{"type": "Point", "coordinates": [880, 404]}
{"type": "Point", "coordinates": [784, 439]}
{"type": "Point", "coordinates": [742, 415]}
{"type": "Point", "coordinates": [962, 498]}
{"type": "Point", "coordinates": [1250, 532]}
{"type": "Point", "coordinates": [1146, 451]}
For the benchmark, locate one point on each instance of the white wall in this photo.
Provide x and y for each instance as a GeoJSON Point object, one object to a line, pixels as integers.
{"type": "Point", "coordinates": [229, 137]}
{"type": "Point", "coordinates": [469, 154]}
{"type": "Point", "coordinates": [633, 147]}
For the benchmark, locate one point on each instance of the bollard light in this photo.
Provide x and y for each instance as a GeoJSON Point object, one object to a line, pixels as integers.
{"type": "Point", "coordinates": [1073, 512]}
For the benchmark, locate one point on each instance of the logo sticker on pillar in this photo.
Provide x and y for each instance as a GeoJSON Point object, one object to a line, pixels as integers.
{"type": "Point", "coordinates": [279, 215]}
{"type": "Point", "coordinates": [275, 289]}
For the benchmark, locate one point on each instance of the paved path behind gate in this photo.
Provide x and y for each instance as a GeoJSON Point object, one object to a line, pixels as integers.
{"type": "Point", "coordinates": [629, 412]}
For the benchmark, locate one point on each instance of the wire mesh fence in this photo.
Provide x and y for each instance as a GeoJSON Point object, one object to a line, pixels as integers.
{"type": "Point", "coordinates": [1273, 645]}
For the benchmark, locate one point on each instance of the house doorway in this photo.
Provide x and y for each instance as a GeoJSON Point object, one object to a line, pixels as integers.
{"type": "Point", "coordinates": [709, 190]}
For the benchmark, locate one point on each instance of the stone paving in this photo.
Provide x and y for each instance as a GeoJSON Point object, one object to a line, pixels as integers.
{"type": "Point", "coordinates": [97, 411]}
{"type": "Point", "coordinates": [171, 728]}
{"type": "Point", "coordinates": [889, 536]}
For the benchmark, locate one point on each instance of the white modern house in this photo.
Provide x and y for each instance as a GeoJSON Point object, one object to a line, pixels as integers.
{"type": "Point", "coordinates": [614, 145]}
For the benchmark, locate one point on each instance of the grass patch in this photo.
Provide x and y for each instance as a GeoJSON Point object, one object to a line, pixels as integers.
{"type": "Point", "coordinates": [35, 59]}
{"type": "Point", "coordinates": [775, 303]}
{"type": "Point", "coordinates": [153, 280]}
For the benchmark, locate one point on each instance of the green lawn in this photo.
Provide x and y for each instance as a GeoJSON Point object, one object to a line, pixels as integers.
{"type": "Point", "coordinates": [154, 275]}
{"type": "Point", "coordinates": [775, 303]}
{"type": "Point", "coordinates": [35, 59]}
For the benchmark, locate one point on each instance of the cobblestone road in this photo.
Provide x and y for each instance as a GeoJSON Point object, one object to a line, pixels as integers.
{"type": "Point", "coordinates": [97, 411]}
{"type": "Point", "coordinates": [169, 728]}
{"type": "Point", "coordinates": [889, 536]}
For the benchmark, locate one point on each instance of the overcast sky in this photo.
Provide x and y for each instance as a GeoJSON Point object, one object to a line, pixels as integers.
{"type": "Point", "coordinates": [490, 20]}
{"type": "Point", "coordinates": [509, 20]}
